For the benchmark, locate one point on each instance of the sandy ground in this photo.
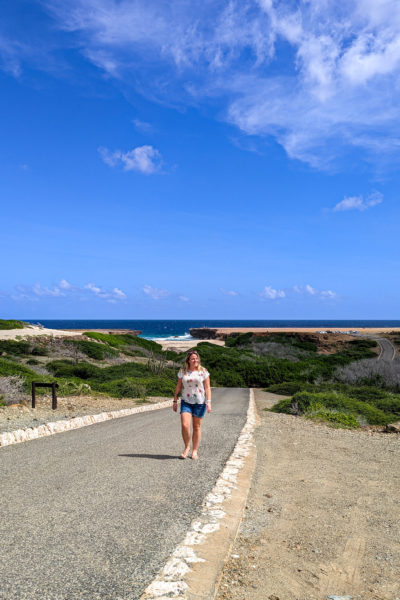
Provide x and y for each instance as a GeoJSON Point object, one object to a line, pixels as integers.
{"type": "Point", "coordinates": [323, 515]}
{"type": "Point", "coordinates": [183, 346]}
{"type": "Point", "coordinates": [34, 331]}
{"type": "Point", "coordinates": [228, 330]}
{"type": "Point", "coordinates": [12, 334]}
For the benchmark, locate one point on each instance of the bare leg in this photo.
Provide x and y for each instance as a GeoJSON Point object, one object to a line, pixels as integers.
{"type": "Point", "coordinates": [196, 436]}
{"type": "Point", "coordinates": [186, 419]}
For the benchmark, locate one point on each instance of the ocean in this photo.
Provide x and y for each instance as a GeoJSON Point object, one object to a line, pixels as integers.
{"type": "Point", "coordinates": [177, 329]}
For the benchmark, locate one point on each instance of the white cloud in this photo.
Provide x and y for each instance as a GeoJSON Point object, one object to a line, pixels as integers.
{"type": "Point", "coordinates": [144, 159]}
{"type": "Point", "coordinates": [38, 290]}
{"type": "Point", "coordinates": [119, 294]}
{"type": "Point", "coordinates": [338, 85]}
{"type": "Point", "coordinates": [64, 284]}
{"type": "Point", "coordinates": [183, 298]}
{"type": "Point", "coordinates": [310, 290]}
{"type": "Point", "coordinates": [269, 293]}
{"type": "Point", "coordinates": [142, 126]}
{"type": "Point", "coordinates": [66, 289]}
{"type": "Point", "coordinates": [155, 293]}
{"type": "Point", "coordinates": [229, 292]}
{"type": "Point", "coordinates": [358, 203]}
{"type": "Point", "coordinates": [93, 288]}
{"type": "Point", "coordinates": [328, 294]}
{"type": "Point", "coordinates": [320, 294]}
{"type": "Point", "coordinates": [113, 296]}
{"type": "Point", "coordinates": [10, 56]}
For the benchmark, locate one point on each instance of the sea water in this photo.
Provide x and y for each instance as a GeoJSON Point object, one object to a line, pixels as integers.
{"type": "Point", "coordinates": [180, 329]}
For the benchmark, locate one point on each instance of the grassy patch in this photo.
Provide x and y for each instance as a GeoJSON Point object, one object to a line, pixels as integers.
{"type": "Point", "coordinates": [125, 341]}
{"type": "Point", "coordinates": [122, 381]}
{"type": "Point", "coordinates": [12, 324]}
{"type": "Point", "coordinates": [309, 404]}
{"type": "Point", "coordinates": [93, 350]}
{"type": "Point", "coordinates": [22, 348]}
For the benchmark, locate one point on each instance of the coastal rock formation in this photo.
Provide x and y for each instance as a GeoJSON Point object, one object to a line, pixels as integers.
{"type": "Point", "coordinates": [204, 333]}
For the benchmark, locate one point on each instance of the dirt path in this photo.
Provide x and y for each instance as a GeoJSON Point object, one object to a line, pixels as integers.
{"type": "Point", "coordinates": [323, 515]}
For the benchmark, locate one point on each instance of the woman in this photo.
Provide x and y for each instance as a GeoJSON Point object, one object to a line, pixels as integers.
{"type": "Point", "coordinates": [194, 385]}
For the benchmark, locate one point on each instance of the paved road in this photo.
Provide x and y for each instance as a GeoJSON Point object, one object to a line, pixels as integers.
{"type": "Point", "coordinates": [387, 349]}
{"type": "Point", "coordinates": [94, 513]}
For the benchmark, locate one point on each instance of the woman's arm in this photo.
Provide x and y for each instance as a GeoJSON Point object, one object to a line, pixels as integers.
{"type": "Point", "coordinates": [207, 389]}
{"type": "Point", "coordinates": [176, 394]}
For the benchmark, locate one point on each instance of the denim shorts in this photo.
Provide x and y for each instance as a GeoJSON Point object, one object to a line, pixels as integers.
{"type": "Point", "coordinates": [197, 410]}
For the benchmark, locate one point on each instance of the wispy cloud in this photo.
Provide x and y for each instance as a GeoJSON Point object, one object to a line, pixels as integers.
{"type": "Point", "coordinates": [155, 293]}
{"type": "Point", "coordinates": [11, 52]}
{"type": "Point", "coordinates": [145, 159]}
{"type": "Point", "coordinates": [65, 289]}
{"type": "Point", "coordinates": [38, 290]}
{"type": "Point", "coordinates": [111, 296]}
{"type": "Point", "coordinates": [337, 88]}
{"type": "Point", "coordinates": [358, 202]}
{"type": "Point", "coordinates": [142, 126]}
{"type": "Point", "coordinates": [270, 293]}
{"type": "Point", "coordinates": [229, 292]}
{"type": "Point", "coordinates": [311, 291]}
{"type": "Point", "coordinates": [183, 298]}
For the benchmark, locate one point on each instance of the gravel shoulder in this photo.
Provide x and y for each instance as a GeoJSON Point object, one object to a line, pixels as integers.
{"type": "Point", "coordinates": [22, 416]}
{"type": "Point", "coordinates": [322, 517]}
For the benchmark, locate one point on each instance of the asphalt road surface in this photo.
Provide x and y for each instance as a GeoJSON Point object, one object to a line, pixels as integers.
{"type": "Point", "coordinates": [388, 350]}
{"type": "Point", "coordinates": [94, 513]}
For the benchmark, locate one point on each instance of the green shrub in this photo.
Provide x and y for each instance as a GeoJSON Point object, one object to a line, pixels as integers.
{"type": "Point", "coordinates": [283, 406]}
{"type": "Point", "coordinates": [7, 367]}
{"type": "Point", "coordinates": [94, 350]}
{"type": "Point", "coordinates": [302, 402]}
{"type": "Point", "coordinates": [289, 340]}
{"type": "Point", "coordinates": [119, 380]}
{"type": "Point", "coordinates": [12, 324]}
{"type": "Point", "coordinates": [15, 348]}
{"type": "Point", "coordinates": [67, 368]}
{"type": "Point", "coordinates": [288, 388]}
{"type": "Point", "coordinates": [125, 340]}
{"type": "Point", "coordinates": [238, 339]}
{"type": "Point", "coordinates": [130, 387]}
{"type": "Point", "coordinates": [32, 361]}
{"type": "Point", "coordinates": [21, 348]}
{"type": "Point", "coordinates": [335, 419]}
{"type": "Point", "coordinates": [72, 387]}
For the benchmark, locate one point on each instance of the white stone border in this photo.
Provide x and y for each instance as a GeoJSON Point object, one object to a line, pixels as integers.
{"type": "Point", "coordinates": [170, 581]}
{"type": "Point", "coordinates": [32, 433]}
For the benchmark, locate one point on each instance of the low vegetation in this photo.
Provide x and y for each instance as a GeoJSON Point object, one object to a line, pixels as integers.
{"type": "Point", "coordinates": [120, 365]}
{"type": "Point", "coordinates": [12, 324]}
{"type": "Point", "coordinates": [344, 388]}
{"type": "Point", "coordinates": [346, 407]}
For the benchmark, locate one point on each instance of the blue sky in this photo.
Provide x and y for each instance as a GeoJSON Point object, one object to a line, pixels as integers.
{"type": "Point", "coordinates": [231, 159]}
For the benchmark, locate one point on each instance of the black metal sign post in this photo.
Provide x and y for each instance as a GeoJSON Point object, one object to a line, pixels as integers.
{"type": "Point", "coordinates": [53, 387]}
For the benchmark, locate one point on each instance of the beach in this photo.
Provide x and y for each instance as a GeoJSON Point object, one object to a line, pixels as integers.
{"type": "Point", "coordinates": [35, 331]}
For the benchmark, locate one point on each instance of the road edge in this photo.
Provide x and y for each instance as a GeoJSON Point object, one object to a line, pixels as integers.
{"type": "Point", "coordinates": [194, 569]}
{"type": "Point", "coordinates": [33, 433]}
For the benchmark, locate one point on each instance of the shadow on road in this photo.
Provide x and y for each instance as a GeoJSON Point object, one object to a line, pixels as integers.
{"type": "Point", "coordinates": [153, 456]}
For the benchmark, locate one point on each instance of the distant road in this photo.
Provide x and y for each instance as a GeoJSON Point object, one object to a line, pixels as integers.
{"type": "Point", "coordinates": [94, 513]}
{"type": "Point", "coordinates": [388, 350]}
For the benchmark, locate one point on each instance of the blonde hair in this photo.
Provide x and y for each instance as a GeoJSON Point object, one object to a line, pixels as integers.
{"type": "Point", "coordinates": [186, 366]}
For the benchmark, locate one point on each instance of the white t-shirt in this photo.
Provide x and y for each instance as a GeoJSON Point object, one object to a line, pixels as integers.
{"type": "Point", "coordinates": [192, 385]}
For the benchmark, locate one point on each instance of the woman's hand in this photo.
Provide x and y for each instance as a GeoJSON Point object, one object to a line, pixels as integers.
{"type": "Point", "coordinates": [175, 405]}
{"type": "Point", "coordinates": [208, 407]}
